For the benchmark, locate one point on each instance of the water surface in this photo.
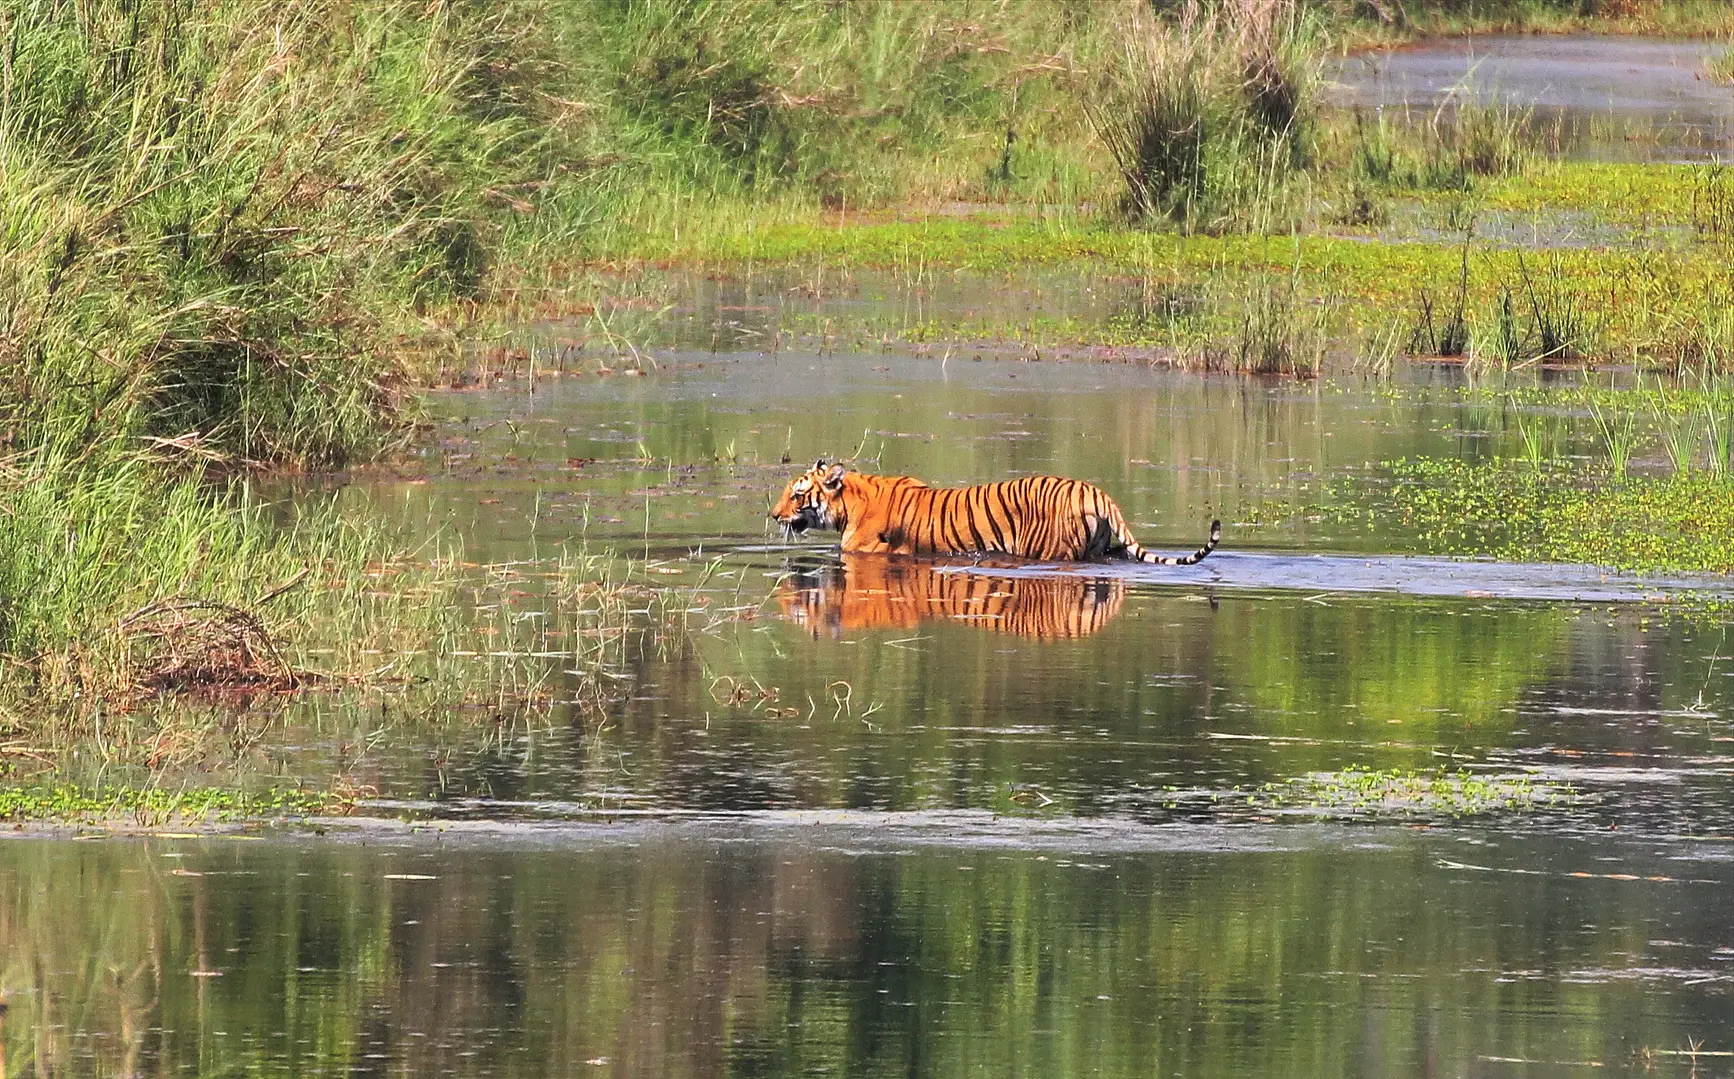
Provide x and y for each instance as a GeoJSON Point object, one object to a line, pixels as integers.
{"type": "Point", "coordinates": [833, 946]}
{"type": "Point", "coordinates": [946, 817]}
{"type": "Point", "coordinates": [1616, 98]}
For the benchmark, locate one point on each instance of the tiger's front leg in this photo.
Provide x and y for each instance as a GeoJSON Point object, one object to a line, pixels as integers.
{"type": "Point", "coordinates": [876, 537]}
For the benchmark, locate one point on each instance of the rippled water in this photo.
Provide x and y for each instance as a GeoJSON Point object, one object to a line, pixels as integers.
{"type": "Point", "coordinates": [836, 945]}
{"type": "Point", "coordinates": [941, 817]}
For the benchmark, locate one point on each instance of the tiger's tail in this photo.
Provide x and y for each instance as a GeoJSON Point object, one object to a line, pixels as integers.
{"type": "Point", "coordinates": [1139, 554]}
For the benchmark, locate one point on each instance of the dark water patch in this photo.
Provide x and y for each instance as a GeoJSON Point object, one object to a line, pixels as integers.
{"type": "Point", "coordinates": [773, 951]}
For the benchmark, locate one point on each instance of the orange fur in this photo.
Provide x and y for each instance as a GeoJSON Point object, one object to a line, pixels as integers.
{"type": "Point", "coordinates": [1043, 517]}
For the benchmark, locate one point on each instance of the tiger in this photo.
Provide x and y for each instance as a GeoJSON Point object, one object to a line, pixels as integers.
{"type": "Point", "coordinates": [877, 592]}
{"type": "Point", "coordinates": [1041, 517]}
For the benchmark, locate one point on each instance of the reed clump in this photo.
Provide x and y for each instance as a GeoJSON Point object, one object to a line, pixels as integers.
{"type": "Point", "coordinates": [1281, 332]}
{"type": "Point", "coordinates": [1721, 66]}
{"type": "Point", "coordinates": [1449, 149]}
{"type": "Point", "coordinates": [119, 583]}
{"type": "Point", "coordinates": [1209, 112]}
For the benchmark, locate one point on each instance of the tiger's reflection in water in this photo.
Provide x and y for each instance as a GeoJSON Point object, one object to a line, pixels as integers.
{"type": "Point", "coordinates": [879, 592]}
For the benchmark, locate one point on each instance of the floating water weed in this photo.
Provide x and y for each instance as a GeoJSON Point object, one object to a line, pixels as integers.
{"type": "Point", "coordinates": [152, 807]}
{"type": "Point", "coordinates": [1682, 522]}
{"type": "Point", "coordinates": [1363, 792]}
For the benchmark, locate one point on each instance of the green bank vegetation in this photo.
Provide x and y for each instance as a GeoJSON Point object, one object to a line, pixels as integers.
{"type": "Point", "coordinates": [156, 807]}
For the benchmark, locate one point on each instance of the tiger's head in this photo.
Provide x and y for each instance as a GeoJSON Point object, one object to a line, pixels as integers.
{"type": "Point", "coordinates": [814, 499]}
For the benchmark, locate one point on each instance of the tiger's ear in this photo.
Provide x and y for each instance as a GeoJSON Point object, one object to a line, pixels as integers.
{"type": "Point", "coordinates": [834, 478]}
{"type": "Point", "coordinates": [817, 465]}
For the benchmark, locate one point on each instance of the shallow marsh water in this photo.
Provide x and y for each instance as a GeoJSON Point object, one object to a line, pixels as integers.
{"type": "Point", "coordinates": [831, 945]}
{"type": "Point", "coordinates": [1612, 98]}
{"type": "Point", "coordinates": [942, 818]}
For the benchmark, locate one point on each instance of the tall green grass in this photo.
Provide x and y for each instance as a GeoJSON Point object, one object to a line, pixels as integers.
{"type": "Point", "coordinates": [96, 544]}
{"type": "Point", "coordinates": [223, 228]}
{"type": "Point", "coordinates": [1445, 150]}
{"type": "Point", "coordinates": [1209, 112]}
{"type": "Point", "coordinates": [1385, 20]}
{"type": "Point", "coordinates": [221, 218]}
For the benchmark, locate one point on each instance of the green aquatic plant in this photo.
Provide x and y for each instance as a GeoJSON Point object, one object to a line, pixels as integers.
{"type": "Point", "coordinates": [1716, 402]}
{"type": "Point", "coordinates": [1559, 326]}
{"type": "Point", "coordinates": [1280, 333]}
{"type": "Point", "coordinates": [1617, 424]}
{"type": "Point", "coordinates": [1445, 333]}
{"type": "Point", "coordinates": [1713, 201]}
{"type": "Point", "coordinates": [1450, 150]}
{"type": "Point", "coordinates": [155, 807]}
{"type": "Point", "coordinates": [1682, 522]}
{"type": "Point", "coordinates": [1503, 338]}
{"type": "Point", "coordinates": [1537, 318]}
{"type": "Point", "coordinates": [1721, 66]}
{"type": "Point", "coordinates": [1679, 426]}
{"type": "Point", "coordinates": [1539, 440]}
{"type": "Point", "coordinates": [1377, 355]}
{"type": "Point", "coordinates": [1471, 139]}
{"type": "Point", "coordinates": [1374, 155]}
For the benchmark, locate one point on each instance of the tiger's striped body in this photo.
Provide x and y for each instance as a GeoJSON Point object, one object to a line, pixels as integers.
{"type": "Point", "coordinates": [1042, 517]}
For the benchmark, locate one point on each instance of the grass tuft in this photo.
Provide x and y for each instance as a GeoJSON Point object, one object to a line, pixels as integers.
{"type": "Point", "coordinates": [1208, 114]}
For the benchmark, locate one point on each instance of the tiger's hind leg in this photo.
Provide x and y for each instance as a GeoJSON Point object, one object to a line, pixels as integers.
{"type": "Point", "coordinates": [1101, 539]}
